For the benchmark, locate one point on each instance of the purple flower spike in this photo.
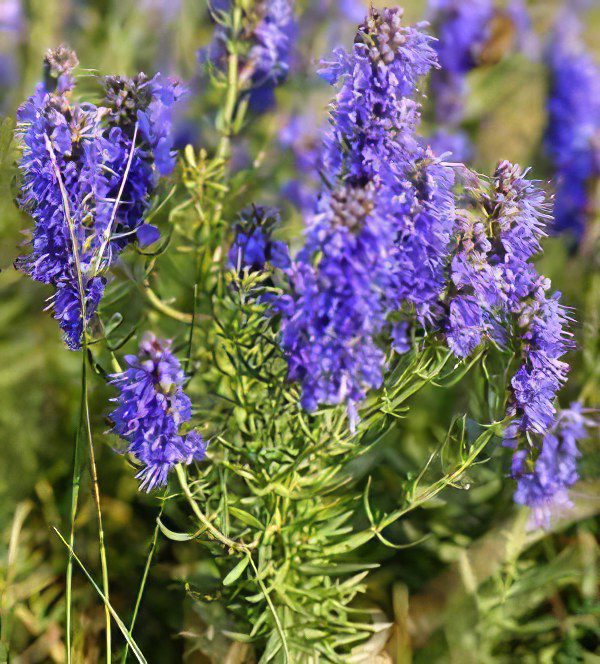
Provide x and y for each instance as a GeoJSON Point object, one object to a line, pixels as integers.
{"type": "Point", "coordinates": [151, 407]}
{"type": "Point", "coordinates": [379, 238]}
{"type": "Point", "coordinates": [544, 485]}
{"type": "Point", "coordinates": [89, 152]}
{"type": "Point", "coordinates": [573, 132]}
{"type": "Point", "coordinates": [499, 292]}
{"type": "Point", "coordinates": [270, 54]}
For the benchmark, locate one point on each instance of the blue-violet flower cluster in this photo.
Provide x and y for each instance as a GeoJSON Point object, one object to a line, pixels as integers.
{"type": "Point", "coordinates": [573, 133]}
{"type": "Point", "coordinates": [497, 290]}
{"type": "Point", "coordinates": [151, 408]}
{"type": "Point", "coordinates": [87, 174]}
{"type": "Point", "coordinates": [498, 295]}
{"type": "Point", "coordinates": [543, 485]}
{"type": "Point", "coordinates": [379, 238]}
{"type": "Point", "coordinates": [335, 309]}
{"type": "Point", "coordinates": [254, 247]}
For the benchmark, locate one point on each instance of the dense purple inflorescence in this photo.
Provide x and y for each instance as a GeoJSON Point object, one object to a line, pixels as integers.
{"type": "Point", "coordinates": [490, 271]}
{"type": "Point", "coordinates": [85, 182]}
{"type": "Point", "coordinates": [144, 107]}
{"type": "Point", "coordinates": [380, 235]}
{"type": "Point", "coordinates": [425, 216]}
{"type": "Point", "coordinates": [498, 295]}
{"type": "Point", "coordinates": [337, 307]}
{"type": "Point", "coordinates": [270, 54]}
{"type": "Point", "coordinates": [374, 118]}
{"type": "Point", "coordinates": [498, 291]}
{"type": "Point", "coordinates": [386, 238]}
{"type": "Point", "coordinates": [543, 485]}
{"type": "Point", "coordinates": [573, 133]}
{"type": "Point", "coordinates": [151, 408]}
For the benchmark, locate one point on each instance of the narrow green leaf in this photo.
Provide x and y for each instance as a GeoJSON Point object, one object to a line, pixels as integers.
{"type": "Point", "coordinates": [246, 518]}
{"type": "Point", "coordinates": [272, 648]}
{"type": "Point", "coordinates": [132, 644]}
{"type": "Point", "coordinates": [178, 537]}
{"type": "Point", "coordinates": [350, 544]}
{"type": "Point", "coordinates": [238, 636]}
{"type": "Point", "coordinates": [236, 572]}
{"type": "Point", "coordinates": [334, 570]}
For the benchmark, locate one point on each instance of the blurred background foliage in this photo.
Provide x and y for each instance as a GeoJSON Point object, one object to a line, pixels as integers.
{"type": "Point", "coordinates": [475, 588]}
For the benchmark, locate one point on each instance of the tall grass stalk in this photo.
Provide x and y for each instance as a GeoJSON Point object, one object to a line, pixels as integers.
{"type": "Point", "coordinates": [85, 419]}
{"type": "Point", "coordinates": [138, 599]}
{"type": "Point", "coordinates": [78, 463]}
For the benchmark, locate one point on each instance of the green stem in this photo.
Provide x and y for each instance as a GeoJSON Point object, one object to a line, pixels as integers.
{"type": "Point", "coordinates": [442, 483]}
{"type": "Point", "coordinates": [138, 600]}
{"type": "Point", "coordinates": [75, 484]}
{"type": "Point", "coordinates": [188, 365]}
{"type": "Point", "coordinates": [165, 308]}
{"type": "Point", "coordinates": [113, 613]}
{"type": "Point", "coordinates": [215, 532]}
{"type": "Point", "coordinates": [273, 611]}
{"type": "Point", "coordinates": [221, 155]}
{"type": "Point", "coordinates": [242, 548]}
{"type": "Point", "coordinates": [231, 96]}
{"type": "Point", "coordinates": [96, 495]}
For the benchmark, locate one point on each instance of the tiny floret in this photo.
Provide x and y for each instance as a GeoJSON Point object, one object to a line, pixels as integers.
{"type": "Point", "coordinates": [254, 247]}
